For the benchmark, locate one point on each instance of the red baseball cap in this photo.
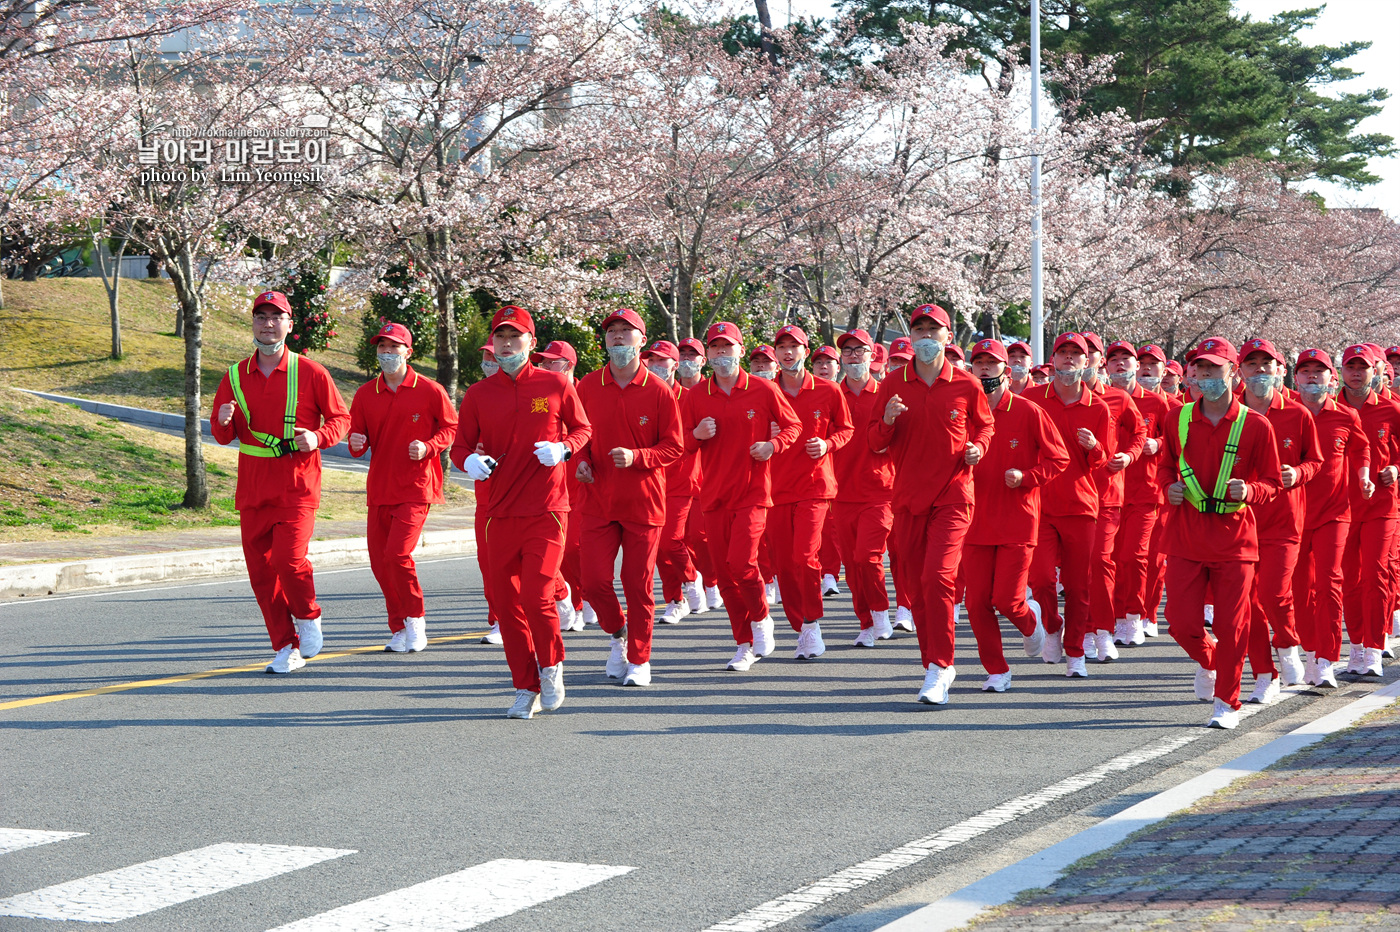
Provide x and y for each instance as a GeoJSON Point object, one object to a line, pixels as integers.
{"type": "Point", "coordinates": [1121, 346]}
{"type": "Point", "coordinates": [1092, 341]}
{"type": "Point", "coordinates": [627, 316]}
{"type": "Point", "coordinates": [557, 349]}
{"type": "Point", "coordinates": [860, 336]}
{"type": "Point", "coordinates": [994, 348]}
{"type": "Point", "coordinates": [1358, 351]}
{"type": "Point", "coordinates": [1316, 355]}
{"type": "Point", "coordinates": [825, 352]}
{"type": "Point", "coordinates": [692, 343]}
{"type": "Point", "coordinates": [513, 316]}
{"type": "Point", "coordinates": [1259, 345]}
{"type": "Point", "coordinates": [723, 330]}
{"type": "Point", "coordinates": [1174, 366]}
{"type": "Point", "coordinates": [902, 345]}
{"type": "Point", "coordinates": [931, 311]}
{"type": "Point", "coordinates": [488, 348]}
{"type": "Point", "coordinates": [1152, 351]}
{"type": "Point", "coordinates": [1190, 355]}
{"type": "Point", "coordinates": [1216, 350]}
{"type": "Point", "coordinates": [954, 350]}
{"type": "Point", "coordinates": [878, 357]}
{"type": "Point", "coordinates": [396, 332]}
{"type": "Point", "coordinates": [791, 330]}
{"type": "Point", "coordinates": [1073, 339]}
{"type": "Point", "coordinates": [274, 298]}
{"type": "Point", "coordinates": [663, 348]}
{"type": "Point", "coordinates": [763, 349]}
{"type": "Point", "coordinates": [1392, 351]}
{"type": "Point", "coordinates": [1019, 346]}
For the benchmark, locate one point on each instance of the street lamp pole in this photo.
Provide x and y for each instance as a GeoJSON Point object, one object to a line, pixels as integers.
{"type": "Point", "coordinates": [1037, 296]}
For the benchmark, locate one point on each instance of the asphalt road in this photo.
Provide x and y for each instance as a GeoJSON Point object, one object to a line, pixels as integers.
{"type": "Point", "coordinates": [721, 790]}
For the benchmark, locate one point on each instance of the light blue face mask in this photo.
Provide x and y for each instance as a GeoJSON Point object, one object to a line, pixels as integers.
{"type": "Point", "coordinates": [390, 362]}
{"type": "Point", "coordinates": [688, 368]}
{"type": "Point", "coordinates": [1313, 390]}
{"type": "Point", "coordinates": [1262, 386]}
{"type": "Point", "coordinates": [1018, 372]}
{"type": "Point", "coordinates": [927, 349]}
{"type": "Point", "coordinates": [1069, 376]}
{"type": "Point", "coordinates": [660, 372]}
{"type": "Point", "coordinates": [269, 349]}
{"type": "Point", "coordinates": [622, 356]}
{"type": "Point", "coordinates": [1121, 379]}
{"type": "Point", "coordinates": [767, 376]}
{"type": "Point", "coordinates": [857, 371]}
{"type": "Point", "coordinates": [1150, 382]}
{"type": "Point", "coordinates": [489, 368]}
{"type": "Point", "coordinates": [513, 363]}
{"type": "Point", "coordinates": [1212, 389]}
{"type": "Point", "coordinates": [725, 366]}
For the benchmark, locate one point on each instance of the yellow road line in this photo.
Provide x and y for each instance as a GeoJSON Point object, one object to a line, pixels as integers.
{"type": "Point", "coordinates": [187, 677]}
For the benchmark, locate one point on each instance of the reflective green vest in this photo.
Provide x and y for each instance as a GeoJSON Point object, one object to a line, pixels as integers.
{"type": "Point", "coordinates": [270, 445]}
{"type": "Point", "coordinates": [1217, 503]}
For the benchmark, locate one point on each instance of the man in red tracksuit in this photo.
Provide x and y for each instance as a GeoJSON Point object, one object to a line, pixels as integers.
{"type": "Point", "coordinates": [933, 418]}
{"type": "Point", "coordinates": [574, 612]}
{"type": "Point", "coordinates": [681, 588]}
{"type": "Point", "coordinates": [636, 436]}
{"type": "Point", "coordinates": [900, 355]}
{"type": "Point", "coordinates": [1343, 476]}
{"type": "Point", "coordinates": [1279, 522]}
{"type": "Point", "coordinates": [728, 418]}
{"type": "Point", "coordinates": [803, 487]}
{"type": "Point", "coordinates": [529, 421]}
{"type": "Point", "coordinates": [864, 483]}
{"type": "Point", "coordinates": [1212, 540]}
{"type": "Point", "coordinates": [407, 420]}
{"type": "Point", "coordinates": [1018, 373]}
{"type": "Point", "coordinates": [1026, 452]}
{"type": "Point", "coordinates": [1142, 499]}
{"type": "Point", "coordinates": [279, 473]}
{"type": "Point", "coordinates": [1125, 447]}
{"type": "Point", "coordinates": [1373, 521]}
{"type": "Point", "coordinates": [1069, 503]}
{"type": "Point", "coordinates": [826, 365]}
{"type": "Point", "coordinates": [1151, 377]}
{"type": "Point", "coordinates": [688, 376]}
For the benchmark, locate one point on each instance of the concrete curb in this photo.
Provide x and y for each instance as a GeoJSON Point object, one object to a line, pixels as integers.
{"type": "Point", "coordinates": [41, 579]}
{"type": "Point", "coordinates": [1041, 870]}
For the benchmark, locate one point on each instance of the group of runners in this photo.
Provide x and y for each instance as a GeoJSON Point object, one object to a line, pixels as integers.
{"type": "Point", "coordinates": [1103, 478]}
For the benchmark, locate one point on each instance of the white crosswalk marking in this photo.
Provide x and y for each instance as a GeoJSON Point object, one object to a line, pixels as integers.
{"type": "Point", "coordinates": [142, 888]}
{"type": "Point", "coordinates": [462, 900]}
{"type": "Point", "coordinates": [13, 839]}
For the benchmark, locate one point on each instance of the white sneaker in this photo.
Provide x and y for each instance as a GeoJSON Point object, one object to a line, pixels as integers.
{"type": "Point", "coordinates": [493, 636]}
{"type": "Point", "coordinates": [694, 596]}
{"type": "Point", "coordinates": [552, 686]}
{"type": "Point", "coordinates": [1290, 665]}
{"type": "Point", "coordinates": [957, 614]}
{"type": "Point", "coordinates": [565, 608]}
{"type": "Point", "coordinates": [1034, 643]}
{"type": "Point", "coordinates": [586, 617]}
{"type": "Point", "coordinates": [1388, 651]}
{"type": "Point", "coordinates": [1265, 689]}
{"type": "Point", "coordinates": [1074, 666]}
{"type": "Point", "coordinates": [1373, 663]}
{"type": "Point", "coordinates": [638, 674]}
{"type": "Point", "coordinates": [777, 591]}
{"type": "Point", "coordinates": [1103, 643]}
{"type": "Point", "coordinates": [770, 592]}
{"type": "Point", "coordinates": [1356, 658]}
{"type": "Point", "coordinates": [309, 634]}
{"type": "Point", "coordinates": [526, 704]}
{"type": "Point", "coordinates": [1091, 647]}
{"type": "Point", "coordinates": [882, 627]}
{"type": "Point", "coordinates": [763, 643]}
{"type": "Point", "coordinates": [1136, 635]}
{"type": "Point", "coordinates": [1054, 649]}
{"type": "Point", "coordinates": [1223, 716]}
{"type": "Point", "coordinates": [810, 645]}
{"type": "Point", "coordinates": [616, 667]}
{"type": "Point", "coordinates": [417, 637]}
{"type": "Point", "coordinates": [744, 657]}
{"type": "Point", "coordinates": [1205, 684]}
{"type": "Point", "coordinates": [712, 597]}
{"type": "Point", "coordinates": [569, 619]}
{"type": "Point", "coordinates": [1149, 629]}
{"type": "Point", "coordinates": [997, 682]}
{"type": "Point", "coordinates": [829, 586]}
{"type": "Point", "coordinates": [1210, 615]}
{"type": "Point", "coordinates": [903, 618]}
{"type": "Point", "coordinates": [675, 611]}
{"type": "Point", "coordinates": [286, 660]}
{"type": "Point", "coordinates": [1120, 632]}
{"type": "Point", "coordinates": [936, 684]}
{"type": "Point", "coordinates": [1326, 674]}
{"type": "Point", "coordinates": [866, 638]}
{"type": "Point", "coordinates": [396, 643]}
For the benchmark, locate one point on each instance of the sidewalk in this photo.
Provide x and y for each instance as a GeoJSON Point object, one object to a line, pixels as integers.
{"type": "Point", "coordinates": [1311, 843]}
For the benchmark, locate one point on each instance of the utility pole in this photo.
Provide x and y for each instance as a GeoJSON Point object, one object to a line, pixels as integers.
{"type": "Point", "coordinates": [1037, 295]}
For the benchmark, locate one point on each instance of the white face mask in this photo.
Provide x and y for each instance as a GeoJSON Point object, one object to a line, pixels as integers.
{"type": "Point", "coordinates": [390, 362]}
{"type": "Point", "coordinates": [927, 349]}
{"type": "Point", "coordinates": [1151, 383]}
{"type": "Point", "coordinates": [622, 356]}
{"type": "Point", "coordinates": [269, 349]}
{"type": "Point", "coordinates": [857, 371]}
{"type": "Point", "coordinates": [768, 376]}
{"type": "Point", "coordinates": [489, 368]}
{"type": "Point", "coordinates": [660, 372]}
{"type": "Point", "coordinates": [725, 366]}
{"type": "Point", "coordinates": [688, 368]}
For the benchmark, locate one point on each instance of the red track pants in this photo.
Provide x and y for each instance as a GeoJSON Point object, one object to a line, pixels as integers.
{"type": "Point", "coordinates": [695, 542]}
{"type": "Point", "coordinates": [1230, 584]}
{"type": "Point", "coordinates": [525, 558]}
{"type": "Point", "coordinates": [570, 569]}
{"type": "Point", "coordinates": [1066, 542]}
{"type": "Point", "coordinates": [1103, 571]}
{"type": "Point", "coordinates": [733, 537]}
{"type": "Point", "coordinates": [831, 550]}
{"type": "Point", "coordinates": [673, 556]}
{"type": "Point", "coordinates": [393, 533]}
{"type": "Point", "coordinates": [996, 582]}
{"type": "Point", "coordinates": [483, 560]}
{"type": "Point", "coordinates": [932, 543]}
{"type": "Point", "coordinates": [638, 542]}
{"type": "Point", "coordinates": [274, 548]}
{"type": "Point", "coordinates": [1156, 568]}
{"type": "Point", "coordinates": [1317, 589]}
{"type": "Point", "coordinates": [1131, 557]}
{"type": "Point", "coordinates": [1366, 590]}
{"type": "Point", "coordinates": [903, 589]}
{"type": "Point", "coordinates": [862, 532]}
{"type": "Point", "coordinates": [795, 532]}
{"type": "Point", "coordinates": [1271, 605]}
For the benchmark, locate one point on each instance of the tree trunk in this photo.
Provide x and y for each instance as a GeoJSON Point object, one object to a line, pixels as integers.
{"type": "Point", "coordinates": [765, 23]}
{"type": "Point", "coordinates": [182, 274]}
{"type": "Point", "coordinates": [152, 267]}
{"type": "Point", "coordinates": [683, 295]}
{"type": "Point", "coordinates": [447, 342]}
{"type": "Point", "coordinates": [109, 266]}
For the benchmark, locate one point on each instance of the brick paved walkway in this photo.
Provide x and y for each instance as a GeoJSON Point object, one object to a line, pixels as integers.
{"type": "Point", "coordinates": [1311, 843]}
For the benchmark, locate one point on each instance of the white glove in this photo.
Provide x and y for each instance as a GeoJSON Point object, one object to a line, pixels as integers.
{"type": "Point", "coordinates": [549, 452]}
{"type": "Point", "coordinates": [479, 467]}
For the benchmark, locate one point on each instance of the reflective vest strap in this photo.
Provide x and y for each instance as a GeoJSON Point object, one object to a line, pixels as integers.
{"type": "Point", "coordinates": [270, 445]}
{"type": "Point", "coordinates": [1218, 502]}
